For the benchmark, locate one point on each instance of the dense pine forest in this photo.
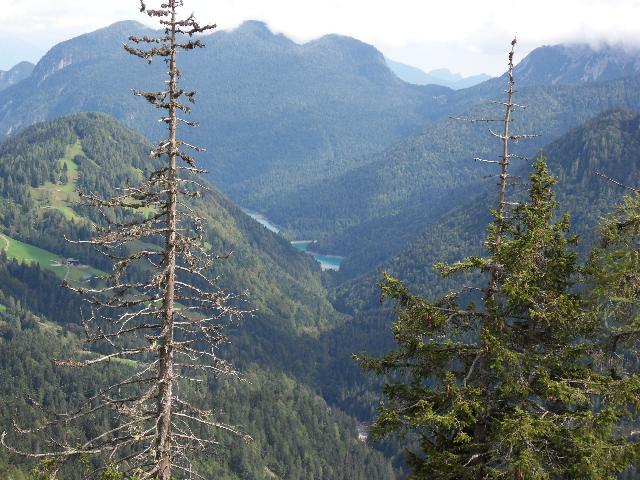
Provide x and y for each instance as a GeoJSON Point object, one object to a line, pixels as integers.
{"type": "Point", "coordinates": [270, 347]}
{"type": "Point", "coordinates": [483, 320]}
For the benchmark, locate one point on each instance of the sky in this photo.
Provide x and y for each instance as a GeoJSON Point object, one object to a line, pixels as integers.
{"type": "Point", "coordinates": [466, 36]}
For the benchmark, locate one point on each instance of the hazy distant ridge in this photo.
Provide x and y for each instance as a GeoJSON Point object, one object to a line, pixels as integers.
{"type": "Point", "coordinates": [441, 76]}
{"type": "Point", "coordinates": [15, 74]}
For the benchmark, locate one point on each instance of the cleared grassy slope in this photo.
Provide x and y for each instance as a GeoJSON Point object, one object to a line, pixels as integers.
{"type": "Point", "coordinates": [23, 252]}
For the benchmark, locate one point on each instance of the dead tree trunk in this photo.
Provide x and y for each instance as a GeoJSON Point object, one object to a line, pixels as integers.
{"type": "Point", "coordinates": [168, 320]}
{"type": "Point", "coordinates": [493, 321]}
{"type": "Point", "coordinates": [165, 367]}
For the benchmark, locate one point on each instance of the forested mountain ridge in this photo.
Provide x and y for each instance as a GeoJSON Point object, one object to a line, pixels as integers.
{"type": "Point", "coordinates": [273, 111]}
{"type": "Point", "coordinates": [607, 144]}
{"type": "Point", "coordinates": [575, 82]}
{"type": "Point", "coordinates": [296, 433]}
{"type": "Point", "coordinates": [15, 74]}
{"type": "Point", "coordinates": [577, 63]}
{"type": "Point", "coordinates": [401, 190]}
{"type": "Point", "coordinates": [281, 283]}
{"type": "Point", "coordinates": [299, 131]}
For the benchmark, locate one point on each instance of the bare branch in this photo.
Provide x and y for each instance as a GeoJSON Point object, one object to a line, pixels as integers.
{"type": "Point", "coordinates": [615, 182]}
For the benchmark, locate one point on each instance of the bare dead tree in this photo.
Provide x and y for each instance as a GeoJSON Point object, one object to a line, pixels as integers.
{"type": "Point", "coordinates": [505, 137]}
{"type": "Point", "coordinates": [158, 309]}
{"type": "Point", "coordinates": [480, 367]}
{"type": "Point", "coordinates": [504, 161]}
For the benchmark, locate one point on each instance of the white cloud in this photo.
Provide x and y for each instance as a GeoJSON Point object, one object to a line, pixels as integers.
{"type": "Point", "coordinates": [469, 36]}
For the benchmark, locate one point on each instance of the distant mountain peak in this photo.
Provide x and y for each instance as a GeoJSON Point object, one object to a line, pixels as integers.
{"type": "Point", "coordinates": [338, 38]}
{"type": "Point", "coordinates": [446, 74]}
{"type": "Point", "coordinates": [578, 63]}
{"type": "Point", "coordinates": [120, 28]}
{"type": "Point", "coordinates": [15, 74]}
{"type": "Point", "coordinates": [122, 24]}
{"type": "Point", "coordinates": [104, 42]}
{"type": "Point", "coordinates": [346, 43]}
{"type": "Point", "coordinates": [441, 76]}
{"type": "Point", "coordinates": [253, 26]}
{"type": "Point", "coordinates": [256, 32]}
{"type": "Point", "coordinates": [21, 66]}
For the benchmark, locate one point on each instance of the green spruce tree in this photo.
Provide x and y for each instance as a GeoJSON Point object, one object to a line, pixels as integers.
{"type": "Point", "coordinates": [542, 407]}
{"type": "Point", "coordinates": [614, 289]}
{"type": "Point", "coordinates": [614, 273]}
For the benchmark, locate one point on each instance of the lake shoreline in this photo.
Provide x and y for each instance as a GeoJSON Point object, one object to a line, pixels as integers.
{"type": "Point", "coordinates": [326, 261]}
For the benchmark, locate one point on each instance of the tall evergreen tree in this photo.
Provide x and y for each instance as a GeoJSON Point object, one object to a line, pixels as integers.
{"type": "Point", "coordinates": [547, 408]}
{"type": "Point", "coordinates": [512, 387]}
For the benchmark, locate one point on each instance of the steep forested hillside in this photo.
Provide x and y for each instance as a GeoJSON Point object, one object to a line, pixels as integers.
{"type": "Point", "coordinates": [294, 432]}
{"type": "Point", "coordinates": [405, 187]}
{"type": "Point", "coordinates": [40, 170]}
{"type": "Point", "coordinates": [609, 144]}
{"type": "Point", "coordinates": [419, 170]}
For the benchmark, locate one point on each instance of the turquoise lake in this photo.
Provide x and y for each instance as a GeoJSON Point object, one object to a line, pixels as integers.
{"type": "Point", "coordinates": [327, 262]}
